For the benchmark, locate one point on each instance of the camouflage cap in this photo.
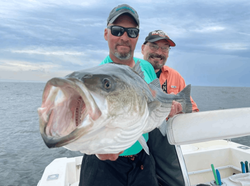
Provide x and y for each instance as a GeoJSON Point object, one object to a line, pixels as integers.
{"type": "Point", "coordinates": [158, 35]}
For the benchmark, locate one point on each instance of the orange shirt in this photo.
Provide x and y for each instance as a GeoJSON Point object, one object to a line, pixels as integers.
{"type": "Point", "coordinates": [175, 83]}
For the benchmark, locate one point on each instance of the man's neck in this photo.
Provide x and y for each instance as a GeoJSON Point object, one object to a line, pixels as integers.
{"type": "Point", "coordinates": [130, 62]}
{"type": "Point", "coordinates": [158, 73]}
{"type": "Point", "coordinates": [157, 70]}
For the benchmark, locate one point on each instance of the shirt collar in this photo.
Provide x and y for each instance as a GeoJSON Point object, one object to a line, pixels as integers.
{"type": "Point", "coordinates": [165, 68]}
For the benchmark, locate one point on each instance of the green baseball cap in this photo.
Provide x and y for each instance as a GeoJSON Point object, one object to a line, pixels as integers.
{"type": "Point", "coordinates": [122, 9]}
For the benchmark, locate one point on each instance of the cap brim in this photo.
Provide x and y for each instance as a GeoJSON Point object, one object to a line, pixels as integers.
{"type": "Point", "coordinates": [171, 43]}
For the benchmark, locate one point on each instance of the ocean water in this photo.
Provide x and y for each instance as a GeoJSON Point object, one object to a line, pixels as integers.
{"type": "Point", "coordinates": [23, 155]}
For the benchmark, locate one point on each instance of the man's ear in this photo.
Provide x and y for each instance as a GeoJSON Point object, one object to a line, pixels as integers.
{"type": "Point", "coordinates": [106, 34]}
{"type": "Point", "coordinates": [142, 49]}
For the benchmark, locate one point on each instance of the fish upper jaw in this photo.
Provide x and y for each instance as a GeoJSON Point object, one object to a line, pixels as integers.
{"type": "Point", "coordinates": [68, 110]}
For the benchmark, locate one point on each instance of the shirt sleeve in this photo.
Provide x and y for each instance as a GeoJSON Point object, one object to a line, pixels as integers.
{"type": "Point", "coordinates": [106, 60]}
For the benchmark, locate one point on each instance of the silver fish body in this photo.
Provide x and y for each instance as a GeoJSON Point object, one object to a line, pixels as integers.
{"type": "Point", "coordinates": [104, 109]}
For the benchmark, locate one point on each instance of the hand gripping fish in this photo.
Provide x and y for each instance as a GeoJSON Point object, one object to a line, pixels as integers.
{"type": "Point", "coordinates": [104, 109]}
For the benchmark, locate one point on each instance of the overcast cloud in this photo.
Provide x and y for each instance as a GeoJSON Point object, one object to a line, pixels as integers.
{"type": "Point", "coordinates": [43, 39]}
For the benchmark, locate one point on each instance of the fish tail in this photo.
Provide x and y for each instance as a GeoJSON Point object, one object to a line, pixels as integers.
{"type": "Point", "coordinates": [186, 95]}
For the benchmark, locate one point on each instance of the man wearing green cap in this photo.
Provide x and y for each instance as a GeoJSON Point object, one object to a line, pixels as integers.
{"type": "Point", "coordinates": [133, 166]}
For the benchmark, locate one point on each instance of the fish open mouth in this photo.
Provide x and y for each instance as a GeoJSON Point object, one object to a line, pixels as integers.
{"type": "Point", "coordinates": [67, 107]}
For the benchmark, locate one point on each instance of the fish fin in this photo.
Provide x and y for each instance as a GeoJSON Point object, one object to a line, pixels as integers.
{"type": "Point", "coordinates": [185, 93]}
{"type": "Point", "coordinates": [138, 70]}
{"type": "Point", "coordinates": [144, 145]}
{"type": "Point", "coordinates": [153, 105]}
{"type": "Point", "coordinates": [157, 116]}
{"type": "Point", "coordinates": [156, 82]}
{"type": "Point", "coordinates": [182, 97]}
{"type": "Point", "coordinates": [163, 128]}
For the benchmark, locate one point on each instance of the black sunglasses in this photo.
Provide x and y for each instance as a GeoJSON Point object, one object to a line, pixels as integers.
{"type": "Point", "coordinates": [119, 31]}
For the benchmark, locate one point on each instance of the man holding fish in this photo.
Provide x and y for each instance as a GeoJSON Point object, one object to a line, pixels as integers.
{"type": "Point", "coordinates": [132, 166]}
{"type": "Point", "coordinates": [107, 111]}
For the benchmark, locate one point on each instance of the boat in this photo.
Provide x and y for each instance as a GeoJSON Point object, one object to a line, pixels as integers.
{"type": "Point", "coordinates": [201, 139]}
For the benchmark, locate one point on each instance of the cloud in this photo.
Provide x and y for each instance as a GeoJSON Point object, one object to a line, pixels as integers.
{"type": "Point", "coordinates": [233, 46]}
{"type": "Point", "coordinates": [49, 52]}
{"type": "Point", "coordinates": [209, 29]}
{"type": "Point", "coordinates": [26, 71]}
{"type": "Point", "coordinates": [48, 37]}
{"type": "Point", "coordinates": [37, 76]}
{"type": "Point", "coordinates": [26, 66]}
{"type": "Point", "coordinates": [47, 62]}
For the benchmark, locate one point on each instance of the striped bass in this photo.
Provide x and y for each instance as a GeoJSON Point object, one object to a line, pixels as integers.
{"type": "Point", "coordinates": [104, 109]}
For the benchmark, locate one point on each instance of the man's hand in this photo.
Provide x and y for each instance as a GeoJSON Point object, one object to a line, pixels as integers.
{"type": "Point", "coordinates": [176, 108]}
{"type": "Point", "coordinates": [111, 157]}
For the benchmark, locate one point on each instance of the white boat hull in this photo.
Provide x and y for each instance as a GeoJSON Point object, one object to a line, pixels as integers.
{"type": "Point", "coordinates": [195, 159]}
{"type": "Point", "coordinates": [225, 155]}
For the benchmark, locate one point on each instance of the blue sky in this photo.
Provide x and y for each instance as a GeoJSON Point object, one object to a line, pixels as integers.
{"type": "Point", "coordinates": [41, 39]}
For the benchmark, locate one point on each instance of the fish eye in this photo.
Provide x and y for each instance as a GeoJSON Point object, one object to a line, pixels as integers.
{"type": "Point", "coordinates": [106, 84]}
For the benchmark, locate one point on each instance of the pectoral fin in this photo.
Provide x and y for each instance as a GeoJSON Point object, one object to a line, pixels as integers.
{"type": "Point", "coordinates": [152, 106]}
{"type": "Point", "coordinates": [144, 145]}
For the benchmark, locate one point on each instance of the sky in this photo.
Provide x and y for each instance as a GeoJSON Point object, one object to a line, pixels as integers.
{"type": "Point", "coordinates": [42, 39]}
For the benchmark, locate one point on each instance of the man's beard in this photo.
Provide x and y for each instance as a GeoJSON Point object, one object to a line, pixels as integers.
{"type": "Point", "coordinates": [123, 56]}
{"type": "Point", "coordinates": [155, 62]}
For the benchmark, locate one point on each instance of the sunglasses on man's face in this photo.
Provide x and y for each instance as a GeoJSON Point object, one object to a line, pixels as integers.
{"type": "Point", "coordinates": [119, 31]}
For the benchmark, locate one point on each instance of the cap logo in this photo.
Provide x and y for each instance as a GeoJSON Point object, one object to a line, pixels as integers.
{"type": "Point", "coordinates": [124, 7]}
{"type": "Point", "coordinates": [159, 33]}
